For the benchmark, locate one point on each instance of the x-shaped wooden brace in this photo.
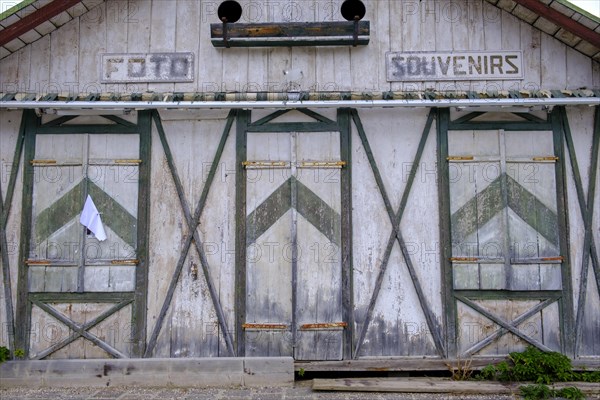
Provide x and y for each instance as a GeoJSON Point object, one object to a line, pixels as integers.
{"type": "Point", "coordinates": [396, 235]}
{"type": "Point", "coordinates": [192, 222]}
{"type": "Point", "coordinates": [81, 330]}
{"type": "Point", "coordinates": [587, 212]}
{"type": "Point", "coordinates": [506, 326]}
{"type": "Point", "coordinates": [4, 213]}
{"type": "Point", "coordinates": [502, 330]}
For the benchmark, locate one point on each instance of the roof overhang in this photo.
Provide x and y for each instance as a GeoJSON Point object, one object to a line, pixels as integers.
{"type": "Point", "coordinates": [149, 101]}
{"type": "Point", "coordinates": [30, 20]}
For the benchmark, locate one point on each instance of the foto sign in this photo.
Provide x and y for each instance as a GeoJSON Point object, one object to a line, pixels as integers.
{"type": "Point", "coordinates": [454, 66]}
{"type": "Point", "coordinates": [148, 67]}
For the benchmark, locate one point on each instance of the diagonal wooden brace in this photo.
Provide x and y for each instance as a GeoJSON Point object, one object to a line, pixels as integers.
{"type": "Point", "coordinates": [193, 222]}
{"type": "Point", "coordinates": [396, 235]}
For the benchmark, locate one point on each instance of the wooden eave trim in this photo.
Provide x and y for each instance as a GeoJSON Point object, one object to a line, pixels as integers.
{"type": "Point", "coordinates": [34, 19]}
{"type": "Point", "coordinates": [561, 20]}
{"type": "Point", "coordinates": [16, 8]}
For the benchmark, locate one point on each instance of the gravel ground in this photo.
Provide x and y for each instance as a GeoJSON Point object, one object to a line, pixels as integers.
{"type": "Point", "coordinates": [302, 390]}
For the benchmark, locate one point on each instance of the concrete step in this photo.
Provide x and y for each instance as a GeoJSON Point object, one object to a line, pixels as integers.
{"type": "Point", "coordinates": [150, 372]}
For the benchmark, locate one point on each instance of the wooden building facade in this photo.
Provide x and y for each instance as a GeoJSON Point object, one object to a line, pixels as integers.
{"type": "Point", "coordinates": [417, 182]}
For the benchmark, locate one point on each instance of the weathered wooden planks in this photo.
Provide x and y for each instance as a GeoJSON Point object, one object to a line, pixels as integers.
{"type": "Point", "coordinates": [538, 314]}
{"type": "Point", "coordinates": [290, 34]}
{"type": "Point", "coordinates": [133, 26]}
{"type": "Point", "coordinates": [193, 222]}
{"type": "Point", "coordinates": [319, 261]}
{"type": "Point", "coordinates": [432, 385]}
{"type": "Point", "coordinates": [395, 217]}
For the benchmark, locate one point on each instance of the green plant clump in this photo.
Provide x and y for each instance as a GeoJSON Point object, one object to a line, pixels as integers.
{"type": "Point", "coordinates": [535, 392]}
{"type": "Point", "coordinates": [536, 366]}
{"type": "Point", "coordinates": [4, 354]}
{"type": "Point", "coordinates": [543, 368]}
{"type": "Point", "coordinates": [570, 392]}
{"type": "Point", "coordinates": [541, 391]}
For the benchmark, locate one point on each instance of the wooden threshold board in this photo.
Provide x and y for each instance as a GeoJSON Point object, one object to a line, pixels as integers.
{"type": "Point", "coordinates": [418, 364]}
{"type": "Point", "coordinates": [434, 385]}
{"type": "Point", "coordinates": [392, 364]}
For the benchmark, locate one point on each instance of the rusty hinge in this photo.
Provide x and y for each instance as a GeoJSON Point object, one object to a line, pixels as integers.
{"type": "Point", "coordinates": [125, 262]}
{"type": "Point", "coordinates": [265, 327]}
{"type": "Point", "coordinates": [265, 164]}
{"type": "Point", "coordinates": [38, 262]}
{"type": "Point", "coordinates": [546, 158]}
{"type": "Point", "coordinates": [325, 326]}
{"type": "Point", "coordinates": [460, 158]}
{"type": "Point", "coordinates": [557, 258]}
{"type": "Point", "coordinates": [464, 259]}
{"type": "Point", "coordinates": [322, 164]}
{"type": "Point", "coordinates": [125, 161]}
{"type": "Point", "coordinates": [43, 162]}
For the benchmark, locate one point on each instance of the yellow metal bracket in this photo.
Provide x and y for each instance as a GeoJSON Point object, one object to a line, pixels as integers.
{"type": "Point", "coordinates": [322, 164]}
{"type": "Point", "coordinates": [546, 158]}
{"type": "Point", "coordinates": [460, 158]}
{"type": "Point", "coordinates": [265, 327]}
{"type": "Point", "coordinates": [42, 162]}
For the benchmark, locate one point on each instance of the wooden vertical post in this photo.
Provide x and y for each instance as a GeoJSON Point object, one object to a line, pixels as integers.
{"type": "Point", "coordinates": [4, 214]}
{"type": "Point", "coordinates": [586, 208]}
{"type": "Point", "coordinates": [6, 278]}
{"type": "Point", "coordinates": [566, 301]}
{"type": "Point", "coordinates": [241, 145]}
{"type": "Point", "coordinates": [449, 303]}
{"type": "Point", "coordinates": [143, 236]}
{"type": "Point", "coordinates": [343, 119]}
{"type": "Point", "coordinates": [23, 312]}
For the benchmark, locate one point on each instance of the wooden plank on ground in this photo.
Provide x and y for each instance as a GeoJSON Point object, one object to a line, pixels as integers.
{"type": "Point", "coordinates": [434, 385]}
{"type": "Point", "coordinates": [393, 364]}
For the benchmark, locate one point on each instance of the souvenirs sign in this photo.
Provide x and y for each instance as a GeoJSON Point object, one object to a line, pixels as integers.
{"type": "Point", "coordinates": [455, 66]}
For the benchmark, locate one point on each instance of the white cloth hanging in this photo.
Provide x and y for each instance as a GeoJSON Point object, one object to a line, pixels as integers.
{"type": "Point", "coordinates": [90, 218]}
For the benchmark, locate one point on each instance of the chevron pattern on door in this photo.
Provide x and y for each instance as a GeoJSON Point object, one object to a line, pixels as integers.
{"type": "Point", "coordinates": [506, 258]}
{"type": "Point", "coordinates": [81, 290]}
{"type": "Point", "coordinates": [293, 238]}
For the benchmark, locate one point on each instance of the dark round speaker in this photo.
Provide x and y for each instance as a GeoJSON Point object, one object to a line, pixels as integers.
{"type": "Point", "coordinates": [353, 9]}
{"type": "Point", "coordinates": [229, 11]}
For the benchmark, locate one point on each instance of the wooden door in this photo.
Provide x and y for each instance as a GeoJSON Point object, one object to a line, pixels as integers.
{"type": "Point", "coordinates": [506, 256]}
{"type": "Point", "coordinates": [75, 281]}
{"type": "Point", "coordinates": [294, 304]}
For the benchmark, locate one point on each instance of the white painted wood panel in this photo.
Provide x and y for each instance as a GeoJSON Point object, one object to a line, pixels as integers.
{"type": "Point", "coordinates": [117, 20]}
{"type": "Point", "coordinates": [553, 63]}
{"type": "Point", "coordinates": [511, 37]}
{"type": "Point", "coordinates": [581, 122]}
{"type": "Point", "coordinates": [9, 78]}
{"type": "Point", "coordinates": [166, 221]}
{"type": "Point", "coordinates": [64, 57]}
{"type": "Point", "coordinates": [187, 33]}
{"type": "Point", "coordinates": [163, 29]}
{"type": "Point", "coordinates": [24, 67]}
{"type": "Point", "coordinates": [319, 259]}
{"type": "Point", "coordinates": [93, 35]}
{"type": "Point", "coordinates": [404, 325]}
{"type": "Point", "coordinates": [9, 128]}
{"type": "Point", "coordinates": [139, 26]}
{"type": "Point", "coordinates": [54, 62]}
{"type": "Point", "coordinates": [193, 144]}
{"type": "Point", "coordinates": [578, 71]}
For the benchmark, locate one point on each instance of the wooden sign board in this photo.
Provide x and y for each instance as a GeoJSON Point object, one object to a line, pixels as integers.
{"type": "Point", "coordinates": [148, 67]}
{"type": "Point", "coordinates": [454, 66]}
